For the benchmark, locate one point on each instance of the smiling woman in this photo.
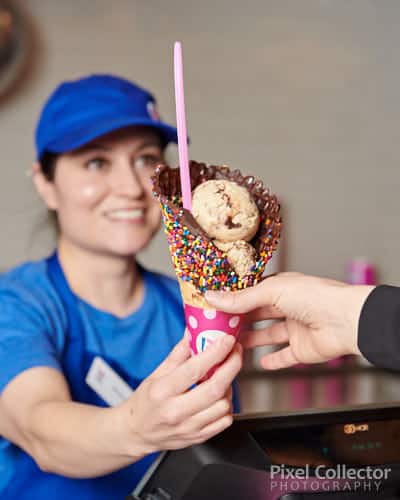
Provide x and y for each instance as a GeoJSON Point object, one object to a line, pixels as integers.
{"type": "Point", "coordinates": [69, 323]}
{"type": "Point", "coordinates": [107, 184]}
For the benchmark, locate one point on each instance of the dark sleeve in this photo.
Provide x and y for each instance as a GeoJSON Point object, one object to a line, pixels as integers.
{"type": "Point", "coordinates": [379, 327]}
{"type": "Point", "coordinates": [237, 407]}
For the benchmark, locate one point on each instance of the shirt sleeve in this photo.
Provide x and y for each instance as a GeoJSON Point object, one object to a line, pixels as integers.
{"type": "Point", "coordinates": [25, 336]}
{"type": "Point", "coordinates": [379, 327]}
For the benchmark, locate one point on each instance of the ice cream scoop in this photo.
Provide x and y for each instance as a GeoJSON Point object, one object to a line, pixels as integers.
{"type": "Point", "coordinates": [241, 255]}
{"type": "Point", "coordinates": [225, 210]}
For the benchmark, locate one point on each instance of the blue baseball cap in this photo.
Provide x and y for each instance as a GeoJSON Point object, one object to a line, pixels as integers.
{"type": "Point", "coordinates": [81, 110]}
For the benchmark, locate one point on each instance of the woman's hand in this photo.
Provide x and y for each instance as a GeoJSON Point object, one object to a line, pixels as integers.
{"type": "Point", "coordinates": [81, 440]}
{"type": "Point", "coordinates": [319, 317]}
{"type": "Point", "coordinates": [164, 413]}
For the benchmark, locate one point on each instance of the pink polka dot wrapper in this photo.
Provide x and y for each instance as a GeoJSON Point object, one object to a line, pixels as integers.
{"type": "Point", "coordinates": [206, 326]}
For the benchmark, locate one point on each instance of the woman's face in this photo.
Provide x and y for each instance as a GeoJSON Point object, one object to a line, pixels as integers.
{"type": "Point", "coordinates": [102, 192]}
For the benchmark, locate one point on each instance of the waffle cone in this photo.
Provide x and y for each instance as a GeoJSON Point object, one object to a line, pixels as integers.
{"type": "Point", "coordinates": [191, 296]}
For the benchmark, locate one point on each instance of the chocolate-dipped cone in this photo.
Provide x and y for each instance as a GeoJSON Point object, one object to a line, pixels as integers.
{"type": "Point", "coordinates": [199, 264]}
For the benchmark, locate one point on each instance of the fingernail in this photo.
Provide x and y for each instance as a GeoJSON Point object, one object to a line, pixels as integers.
{"type": "Point", "coordinates": [219, 342]}
{"type": "Point", "coordinates": [227, 340]}
{"type": "Point", "coordinates": [222, 342]}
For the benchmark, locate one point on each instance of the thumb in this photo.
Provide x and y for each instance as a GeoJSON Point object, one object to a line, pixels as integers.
{"type": "Point", "coordinates": [265, 293]}
{"type": "Point", "coordinates": [177, 356]}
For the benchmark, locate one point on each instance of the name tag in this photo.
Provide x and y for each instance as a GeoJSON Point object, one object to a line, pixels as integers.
{"type": "Point", "coordinates": [106, 383]}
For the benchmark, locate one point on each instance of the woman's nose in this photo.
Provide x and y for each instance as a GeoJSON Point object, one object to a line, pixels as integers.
{"type": "Point", "coordinates": [127, 182]}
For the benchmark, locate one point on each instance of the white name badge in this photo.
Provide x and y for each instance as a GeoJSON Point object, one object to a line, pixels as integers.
{"type": "Point", "coordinates": [106, 383]}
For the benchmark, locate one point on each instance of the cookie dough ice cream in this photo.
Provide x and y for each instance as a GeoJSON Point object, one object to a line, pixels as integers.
{"type": "Point", "coordinates": [225, 210]}
{"type": "Point", "coordinates": [241, 255]}
{"type": "Point", "coordinates": [228, 214]}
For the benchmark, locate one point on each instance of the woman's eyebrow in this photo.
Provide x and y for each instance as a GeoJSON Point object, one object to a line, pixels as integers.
{"type": "Point", "coordinates": [149, 144]}
{"type": "Point", "coordinates": [91, 147]}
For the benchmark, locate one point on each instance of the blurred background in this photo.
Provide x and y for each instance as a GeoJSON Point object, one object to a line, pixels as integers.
{"type": "Point", "coordinates": [305, 95]}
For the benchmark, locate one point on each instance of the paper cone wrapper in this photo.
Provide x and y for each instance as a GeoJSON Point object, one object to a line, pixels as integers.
{"type": "Point", "coordinates": [205, 324]}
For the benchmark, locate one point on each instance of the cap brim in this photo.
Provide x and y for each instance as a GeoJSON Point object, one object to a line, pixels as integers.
{"type": "Point", "coordinates": [83, 135]}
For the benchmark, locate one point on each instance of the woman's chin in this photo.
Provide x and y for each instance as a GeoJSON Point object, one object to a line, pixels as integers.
{"type": "Point", "coordinates": [128, 250]}
{"type": "Point", "coordinates": [128, 244]}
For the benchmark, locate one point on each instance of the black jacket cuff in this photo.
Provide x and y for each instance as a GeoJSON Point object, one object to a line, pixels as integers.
{"type": "Point", "coordinates": [379, 327]}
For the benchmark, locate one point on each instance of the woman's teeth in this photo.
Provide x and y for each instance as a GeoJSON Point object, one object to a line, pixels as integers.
{"type": "Point", "coordinates": [136, 213]}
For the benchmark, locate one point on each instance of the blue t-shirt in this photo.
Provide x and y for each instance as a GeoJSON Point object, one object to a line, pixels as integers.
{"type": "Point", "coordinates": [34, 328]}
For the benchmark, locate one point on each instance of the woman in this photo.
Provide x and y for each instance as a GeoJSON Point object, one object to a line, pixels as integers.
{"type": "Point", "coordinates": [82, 329]}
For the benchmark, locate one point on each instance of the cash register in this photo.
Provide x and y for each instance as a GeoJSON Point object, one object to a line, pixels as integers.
{"type": "Point", "coordinates": [343, 454]}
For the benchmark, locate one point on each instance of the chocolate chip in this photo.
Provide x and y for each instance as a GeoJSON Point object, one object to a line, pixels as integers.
{"type": "Point", "coordinates": [230, 224]}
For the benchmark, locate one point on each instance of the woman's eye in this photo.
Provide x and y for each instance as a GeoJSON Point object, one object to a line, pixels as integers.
{"type": "Point", "coordinates": [95, 164]}
{"type": "Point", "coordinates": [147, 161]}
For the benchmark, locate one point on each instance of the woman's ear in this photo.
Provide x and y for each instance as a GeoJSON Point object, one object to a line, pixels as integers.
{"type": "Point", "coordinates": [45, 188]}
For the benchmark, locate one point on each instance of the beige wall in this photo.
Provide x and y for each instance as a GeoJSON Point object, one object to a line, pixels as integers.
{"type": "Point", "coordinates": [303, 93]}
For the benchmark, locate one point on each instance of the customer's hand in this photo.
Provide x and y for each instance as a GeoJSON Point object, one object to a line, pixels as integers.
{"type": "Point", "coordinates": [165, 413]}
{"type": "Point", "coordinates": [319, 317]}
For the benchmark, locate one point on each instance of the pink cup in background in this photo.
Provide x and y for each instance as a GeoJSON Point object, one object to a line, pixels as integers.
{"type": "Point", "coordinates": [205, 326]}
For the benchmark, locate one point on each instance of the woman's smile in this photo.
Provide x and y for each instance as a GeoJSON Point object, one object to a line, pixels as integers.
{"type": "Point", "coordinates": [131, 215]}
